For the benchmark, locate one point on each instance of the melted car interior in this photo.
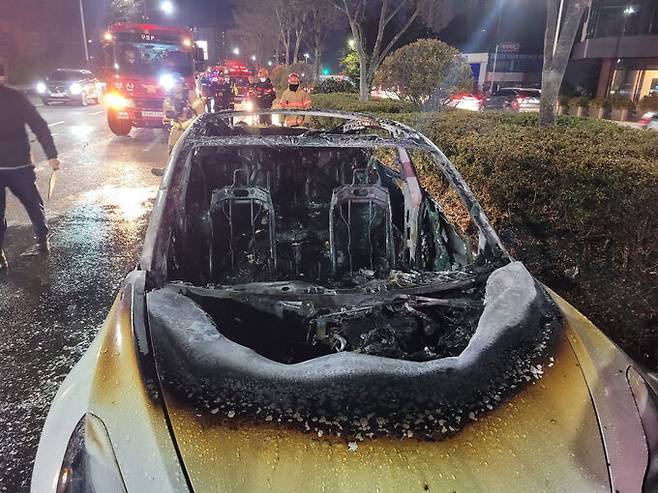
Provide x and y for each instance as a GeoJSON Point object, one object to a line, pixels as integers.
{"type": "Point", "coordinates": [324, 216]}
{"type": "Point", "coordinates": [267, 239]}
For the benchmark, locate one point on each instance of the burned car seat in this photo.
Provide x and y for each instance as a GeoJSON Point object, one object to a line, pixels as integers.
{"type": "Point", "coordinates": [242, 228]}
{"type": "Point", "coordinates": [360, 226]}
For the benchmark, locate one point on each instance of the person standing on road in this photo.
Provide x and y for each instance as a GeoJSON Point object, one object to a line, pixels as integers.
{"type": "Point", "coordinates": [294, 98]}
{"type": "Point", "coordinates": [16, 168]}
{"type": "Point", "coordinates": [181, 107]}
{"type": "Point", "coordinates": [264, 94]}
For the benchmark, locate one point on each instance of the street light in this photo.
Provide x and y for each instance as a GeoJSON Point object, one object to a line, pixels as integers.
{"type": "Point", "coordinates": [351, 43]}
{"type": "Point", "coordinates": [84, 32]}
{"type": "Point", "coordinates": [167, 6]}
{"type": "Point", "coordinates": [269, 63]}
{"type": "Point", "coordinates": [236, 51]}
{"type": "Point", "coordinates": [253, 58]}
{"type": "Point", "coordinates": [306, 57]}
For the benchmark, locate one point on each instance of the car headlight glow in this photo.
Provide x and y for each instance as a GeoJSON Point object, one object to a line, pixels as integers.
{"type": "Point", "coordinates": [117, 101]}
{"type": "Point", "coordinates": [41, 88]}
{"type": "Point", "coordinates": [167, 81]}
{"type": "Point", "coordinates": [75, 89]}
{"type": "Point", "coordinates": [249, 106]}
{"type": "Point", "coordinates": [89, 462]}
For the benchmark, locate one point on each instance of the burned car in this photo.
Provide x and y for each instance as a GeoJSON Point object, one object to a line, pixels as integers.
{"type": "Point", "coordinates": [305, 316]}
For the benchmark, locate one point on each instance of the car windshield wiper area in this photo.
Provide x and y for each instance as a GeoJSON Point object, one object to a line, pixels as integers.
{"type": "Point", "coordinates": [294, 322]}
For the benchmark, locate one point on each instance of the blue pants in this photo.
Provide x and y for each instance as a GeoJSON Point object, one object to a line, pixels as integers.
{"type": "Point", "coordinates": [22, 183]}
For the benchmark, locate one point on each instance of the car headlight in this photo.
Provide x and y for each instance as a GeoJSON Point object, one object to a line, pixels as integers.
{"type": "Point", "coordinates": [41, 88]}
{"type": "Point", "coordinates": [167, 81]}
{"type": "Point", "coordinates": [89, 462]}
{"type": "Point", "coordinates": [75, 89]}
{"type": "Point", "coordinates": [117, 101]}
{"type": "Point", "coordinates": [249, 106]}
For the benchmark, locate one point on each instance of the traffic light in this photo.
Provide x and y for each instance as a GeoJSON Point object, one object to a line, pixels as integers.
{"type": "Point", "coordinates": [325, 71]}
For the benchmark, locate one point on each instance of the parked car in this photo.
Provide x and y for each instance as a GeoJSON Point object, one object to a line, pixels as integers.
{"type": "Point", "coordinates": [514, 99]}
{"type": "Point", "coordinates": [66, 85]}
{"type": "Point", "coordinates": [649, 120]}
{"type": "Point", "coordinates": [305, 317]}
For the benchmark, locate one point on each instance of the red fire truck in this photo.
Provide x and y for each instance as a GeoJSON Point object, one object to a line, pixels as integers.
{"type": "Point", "coordinates": [142, 61]}
{"type": "Point", "coordinates": [239, 74]}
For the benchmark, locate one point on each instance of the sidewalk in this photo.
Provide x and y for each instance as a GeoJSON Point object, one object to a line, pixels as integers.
{"type": "Point", "coordinates": [24, 88]}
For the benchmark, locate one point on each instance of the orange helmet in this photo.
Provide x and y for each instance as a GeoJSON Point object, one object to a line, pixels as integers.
{"type": "Point", "coordinates": [294, 78]}
{"type": "Point", "coordinates": [263, 72]}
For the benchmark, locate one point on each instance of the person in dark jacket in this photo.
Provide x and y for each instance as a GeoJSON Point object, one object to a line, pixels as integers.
{"type": "Point", "coordinates": [16, 168]}
{"type": "Point", "coordinates": [264, 94]}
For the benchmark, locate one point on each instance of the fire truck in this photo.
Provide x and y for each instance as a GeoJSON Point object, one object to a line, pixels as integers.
{"type": "Point", "coordinates": [239, 75]}
{"type": "Point", "coordinates": [142, 61]}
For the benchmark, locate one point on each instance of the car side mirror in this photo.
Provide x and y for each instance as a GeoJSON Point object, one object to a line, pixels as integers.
{"type": "Point", "coordinates": [157, 171]}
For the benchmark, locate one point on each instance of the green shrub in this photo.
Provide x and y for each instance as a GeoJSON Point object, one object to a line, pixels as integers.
{"type": "Point", "coordinates": [583, 193]}
{"type": "Point", "coordinates": [600, 103]}
{"type": "Point", "coordinates": [580, 101]}
{"type": "Point", "coordinates": [331, 85]}
{"type": "Point", "coordinates": [350, 102]}
{"type": "Point", "coordinates": [622, 102]}
{"type": "Point", "coordinates": [648, 103]}
{"type": "Point", "coordinates": [563, 101]}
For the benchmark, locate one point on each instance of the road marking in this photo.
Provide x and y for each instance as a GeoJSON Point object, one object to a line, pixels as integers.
{"type": "Point", "coordinates": [56, 123]}
{"type": "Point", "coordinates": [98, 112]}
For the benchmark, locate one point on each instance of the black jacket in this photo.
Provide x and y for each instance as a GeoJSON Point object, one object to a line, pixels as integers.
{"type": "Point", "coordinates": [264, 94]}
{"type": "Point", "coordinates": [15, 112]}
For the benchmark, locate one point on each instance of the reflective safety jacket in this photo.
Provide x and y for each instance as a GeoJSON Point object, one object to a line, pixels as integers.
{"type": "Point", "coordinates": [294, 100]}
{"type": "Point", "coordinates": [180, 112]}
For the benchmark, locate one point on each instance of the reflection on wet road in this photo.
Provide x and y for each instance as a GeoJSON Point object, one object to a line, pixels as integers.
{"type": "Point", "coordinates": [52, 306]}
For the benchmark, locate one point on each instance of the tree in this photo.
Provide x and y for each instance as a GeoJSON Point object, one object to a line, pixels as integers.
{"type": "Point", "coordinates": [558, 42]}
{"type": "Point", "coordinates": [350, 65]}
{"type": "Point", "coordinates": [426, 72]}
{"type": "Point", "coordinates": [371, 57]}
{"type": "Point", "coordinates": [125, 10]}
{"type": "Point", "coordinates": [323, 17]}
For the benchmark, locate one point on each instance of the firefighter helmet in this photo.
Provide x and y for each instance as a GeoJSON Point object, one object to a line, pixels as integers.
{"type": "Point", "coordinates": [294, 78]}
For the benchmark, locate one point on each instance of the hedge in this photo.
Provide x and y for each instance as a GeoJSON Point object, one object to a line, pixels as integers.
{"type": "Point", "coordinates": [576, 202]}
{"type": "Point", "coordinates": [350, 102]}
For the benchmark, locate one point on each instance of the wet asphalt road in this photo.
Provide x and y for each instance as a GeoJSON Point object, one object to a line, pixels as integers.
{"type": "Point", "coordinates": [52, 306]}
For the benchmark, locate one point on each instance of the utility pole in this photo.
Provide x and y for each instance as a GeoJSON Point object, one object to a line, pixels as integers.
{"type": "Point", "coordinates": [84, 33]}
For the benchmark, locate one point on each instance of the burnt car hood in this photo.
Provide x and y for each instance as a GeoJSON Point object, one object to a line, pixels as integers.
{"type": "Point", "coordinates": [541, 434]}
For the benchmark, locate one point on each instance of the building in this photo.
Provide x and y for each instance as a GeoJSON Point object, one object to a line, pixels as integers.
{"type": "Point", "coordinates": [621, 38]}
{"type": "Point", "coordinates": [54, 38]}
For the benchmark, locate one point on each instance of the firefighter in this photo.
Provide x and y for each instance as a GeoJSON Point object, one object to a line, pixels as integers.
{"type": "Point", "coordinates": [295, 97]}
{"type": "Point", "coordinates": [16, 168]}
{"type": "Point", "coordinates": [222, 92]}
{"type": "Point", "coordinates": [264, 94]}
{"type": "Point", "coordinates": [181, 107]}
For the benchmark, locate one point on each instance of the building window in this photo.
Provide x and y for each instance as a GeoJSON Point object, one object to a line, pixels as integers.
{"type": "Point", "coordinates": [607, 18]}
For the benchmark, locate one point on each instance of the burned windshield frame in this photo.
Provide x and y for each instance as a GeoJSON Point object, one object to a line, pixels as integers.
{"type": "Point", "coordinates": [174, 185]}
